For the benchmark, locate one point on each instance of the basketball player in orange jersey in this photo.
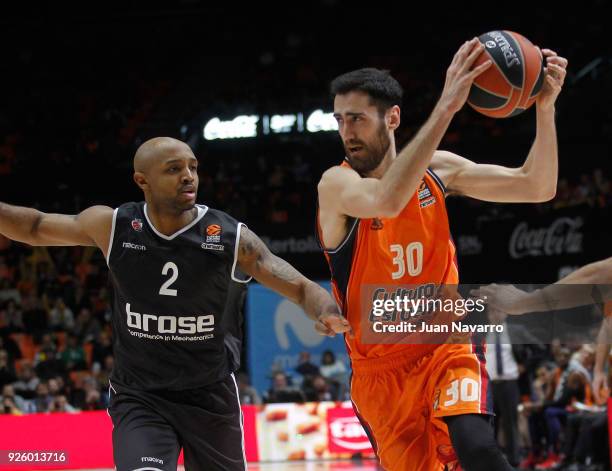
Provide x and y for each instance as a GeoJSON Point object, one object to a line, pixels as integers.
{"type": "Point", "coordinates": [382, 221]}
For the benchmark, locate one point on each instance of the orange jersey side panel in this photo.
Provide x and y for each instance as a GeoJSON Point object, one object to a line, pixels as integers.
{"type": "Point", "coordinates": [414, 248]}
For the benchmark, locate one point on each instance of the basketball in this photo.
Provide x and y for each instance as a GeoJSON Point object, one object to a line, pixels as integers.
{"type": "Point", "coordinates": [512, 83]}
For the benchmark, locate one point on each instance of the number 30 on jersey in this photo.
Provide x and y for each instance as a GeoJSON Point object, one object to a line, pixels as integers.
{"type": "Point", "coordinates": [409, 257]}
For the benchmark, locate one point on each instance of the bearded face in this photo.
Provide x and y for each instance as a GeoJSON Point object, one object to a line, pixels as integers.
{"type": "Point", "coordinates": [365, 155]}
{"type": "Point", "coordinates": [365, 133]}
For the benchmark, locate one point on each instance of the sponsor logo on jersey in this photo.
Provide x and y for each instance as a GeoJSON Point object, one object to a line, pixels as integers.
{"type": "Point", "coordinates": [218, 247]}
{"type": "Point", "coordinates": [425, 196]}
{"type": "Point", "coordinates": [137, 225]}
{"type": "Point", "coordinates": [377, 224]}
{"type": "Point", "coordinates": [129, 245]}
{"type": "Point", "coordinates": [169, 325]}
{"type": "Point", "coordinates": [213, 234]}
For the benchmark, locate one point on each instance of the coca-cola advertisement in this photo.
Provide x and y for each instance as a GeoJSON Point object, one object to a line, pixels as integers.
{"type": "Point", "coordinates": [562, 236]}
{"type": "Point", "coordinates": [531, 247]}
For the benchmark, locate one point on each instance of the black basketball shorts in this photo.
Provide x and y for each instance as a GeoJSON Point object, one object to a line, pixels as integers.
{"type": "Point", "coordinates": [150, 428]}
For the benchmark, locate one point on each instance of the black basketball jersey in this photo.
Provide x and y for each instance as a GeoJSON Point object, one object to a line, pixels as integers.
{"type": "Point", "coordinates": [171, 309]}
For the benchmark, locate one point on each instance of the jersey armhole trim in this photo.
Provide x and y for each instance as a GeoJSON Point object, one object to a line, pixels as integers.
{"type": "Point", "coordinates": [438, 180]}
{"type": "Point", "coordinates": [233, 272]}
{"type": "Point", "coordinates": [112, 237]}
{"type": "Point", "coordinates": [346, 239]}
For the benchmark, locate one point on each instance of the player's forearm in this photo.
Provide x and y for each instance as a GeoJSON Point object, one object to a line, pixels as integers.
{"type": "Point", "coordinates": [317, 301]}
{"type": "Point", "coordinates": [19, 223]}
{"type": "Point", "coordinates": [403, 177]}
{"type": "Point", "coordinates": [542, 164]}
{"type": "Point", "coordinates": [591, 284]}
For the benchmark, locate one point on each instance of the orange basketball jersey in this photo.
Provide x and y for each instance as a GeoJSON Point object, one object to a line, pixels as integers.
{"type": "Point", "coordinates": [414, 248]}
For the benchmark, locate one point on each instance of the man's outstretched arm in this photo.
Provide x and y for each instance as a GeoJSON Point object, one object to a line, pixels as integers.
{"type": "Point", "coordinates": [591, 284]}
{"type": "Point", "coordinates": [256, 260]}
{"type": "Point", "coordinates": [89, 228]}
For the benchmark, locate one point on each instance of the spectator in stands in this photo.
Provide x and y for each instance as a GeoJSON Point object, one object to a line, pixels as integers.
{"type": "Point", "coordinates": [11, 347]}
{"type": "Point", "coordinates": [103, 347]}
{"type": "Point", "coordinates": [305, 366]}
{"type": "Point", "coordinates": [9, 407]}
{"type": "Point", "coordinates": [43, 399]}
{"type": "Point", "coordinates": [248, 394]}
{"type": "Point", "coordinates": [8, 391]}
{"type": "Point", "coordinates": [8, 291]}
{"type": "Point", "coordinates": [11, 318]}
{"type": "Point", "coordinates": [51, 366]}
{"type": "Point", "coordinates": [54, 387]}
{"type": "Point", "coordinates": [321, 389]}
{"type": "Point", "coordinates": [335, 374]}
{"type": "Point", "coordinates": [281, 391]}
{"type": "Point", "coordinates": [27, 381]}
{"type": "Point", "coordinates": [73, 355]}
{"type": "Point", "coordinates": [102, 376]}
{"type": "Point", "coordinates": [533, 409]}
{"type": "Point", "coordinates": [93, 399]}
{"type": "Point", "coordinates": [34, 317]}
{"type": "Point", "coordinates": [61, 316]}
{"type": "Point", "coordinates": [60, 404]}
{"type": "Point", "coordinates": [87, 327]}
{"type": "Point", "coordinates": [47, 345]}
{"type": "Point", "coordinates": [331, 367]}
{"type": "Point", "coordinates": [7, 371]}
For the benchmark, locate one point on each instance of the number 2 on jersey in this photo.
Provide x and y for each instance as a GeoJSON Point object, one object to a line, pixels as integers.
{"type": "Point", "coordinates": [412, 258]}
{"type": "Point", "coordinates": [165, 288]}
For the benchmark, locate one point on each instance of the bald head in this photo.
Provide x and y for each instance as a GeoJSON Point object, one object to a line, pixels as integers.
{"type": "Point", "coordinates": [156, 151]}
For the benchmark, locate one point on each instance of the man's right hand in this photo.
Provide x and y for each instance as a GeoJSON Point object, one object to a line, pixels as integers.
{"type": "Point", "coordinates": [332, 324]}
{"type": "Point", "coordinates": [460, 76]}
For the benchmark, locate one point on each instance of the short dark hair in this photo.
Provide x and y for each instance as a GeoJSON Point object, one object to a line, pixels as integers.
{"type": "Point", "coordinates": [384, 90]}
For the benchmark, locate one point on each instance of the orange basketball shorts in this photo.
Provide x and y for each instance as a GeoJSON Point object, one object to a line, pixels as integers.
{"type": "Point", "coordinates": [401, 402]}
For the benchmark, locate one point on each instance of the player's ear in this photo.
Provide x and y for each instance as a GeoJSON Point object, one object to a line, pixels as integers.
{"type": "Point", "coordinates": [393, 117]}
{"type": "Point", "coordinates": [141, 180]}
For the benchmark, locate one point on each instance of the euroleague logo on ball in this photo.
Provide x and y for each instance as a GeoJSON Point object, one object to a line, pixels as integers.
{"type": "Point", "coordinates": [512, 84]}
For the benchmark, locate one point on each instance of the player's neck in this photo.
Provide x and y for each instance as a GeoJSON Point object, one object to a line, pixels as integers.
{"type": "Point", "coordinates": [384, 165]}
{"type": "Point", "coordinates": [168, 221]}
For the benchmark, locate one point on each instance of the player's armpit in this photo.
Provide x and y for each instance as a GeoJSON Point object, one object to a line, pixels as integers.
{"type": "Point", "coordinates": [89, 228]}
{"type": "Point", "coordinates": [487, 182]}
{"type": "Point", "coordinates": [345, 192]}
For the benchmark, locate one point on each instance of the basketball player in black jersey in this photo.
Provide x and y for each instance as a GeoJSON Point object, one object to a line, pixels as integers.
{"type": "Point", "coordinates": [172, 263]}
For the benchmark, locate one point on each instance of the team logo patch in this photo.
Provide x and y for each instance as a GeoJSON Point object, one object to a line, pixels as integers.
{"type": "Point", "coordinates": [213, 234]}
{"type": "Point", "coordinates": [436, 402]}
{"type": "Point", "coordinates": [137, 225]}
{"type": "Point", "coordinates": [376, 224]}
{"type": "Point", "coordinates": [425, 196]}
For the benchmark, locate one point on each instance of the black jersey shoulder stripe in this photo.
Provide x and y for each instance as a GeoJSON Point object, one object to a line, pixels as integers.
{"type": "Point", "coordinates": [112, 236]}
{"type": "Point", "coordinates": [236, 245]}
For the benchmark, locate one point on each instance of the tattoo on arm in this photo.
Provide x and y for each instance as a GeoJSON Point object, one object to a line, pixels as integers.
{"type": "Point", "coordinates": [252, 250]}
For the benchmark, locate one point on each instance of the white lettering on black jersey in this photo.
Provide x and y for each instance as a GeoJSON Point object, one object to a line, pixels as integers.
{"type": "Point", "coordinates": [174, 325]}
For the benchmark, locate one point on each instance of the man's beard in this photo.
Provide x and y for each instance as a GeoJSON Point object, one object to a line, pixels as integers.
{"type": "Point", "coordinates": [371, 155]}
